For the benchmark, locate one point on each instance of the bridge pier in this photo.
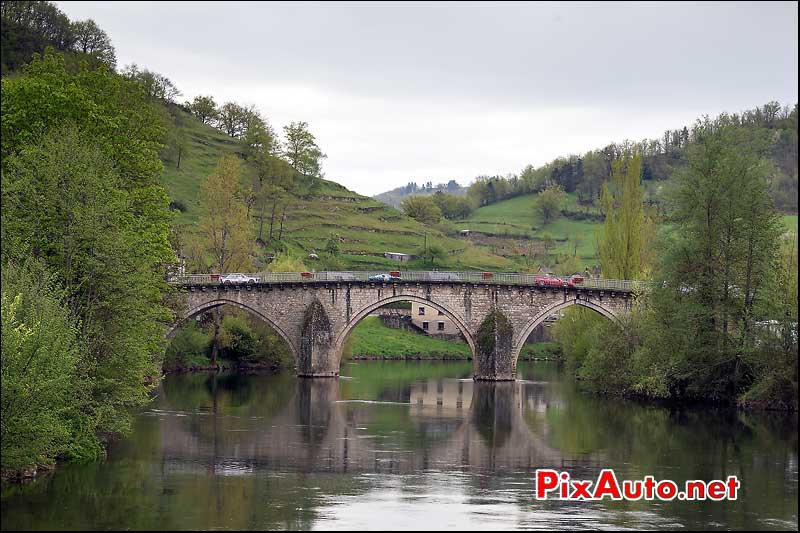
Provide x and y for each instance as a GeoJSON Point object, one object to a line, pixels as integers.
{"type": "Point", "coordinates": [318, 357]}
{"type": "Point", "coordinates": [494, 358]}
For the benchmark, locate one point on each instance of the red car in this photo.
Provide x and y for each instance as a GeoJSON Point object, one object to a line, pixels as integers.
{"type": "Point", "coordinates": [553, 282]}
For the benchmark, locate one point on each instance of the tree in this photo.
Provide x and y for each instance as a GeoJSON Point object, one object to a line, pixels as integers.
{"type": "Point", "coordinates": [717, 269]}
{"type": "Point", "coordinates": [452, 207]}
{"type": "Point", "coordinates": [89, 39]}
{"type": "Point", "coordinates": [627, 230]}
{"type": "Point", "coordinates": [177, 144]}
{"type": "Point", "coordinates": [301, 151]}
{"type": "Point", "coordinates": [155, 85]}
{"type": "Point", "coordinates": [422, 209]}
{"type": "Point", "coordinates": [549, 202]}
{"type": "Point", "coordinates": [257, 134]}
{"type": "Point", "coordinates": [232, 118]}
{"type": "Point", "coordinates": [225, 227]}
{"type": "Point", "coordinates": [45, 389]}
{"type": "Point", "coordinates": [332, 246]}
{"type": "Point", "coordinates": [204, 108]}
{"type": "Point", "coordinates": [65, 200]}
{"type": "Point", "coordinates": [30, 27]}
{"type": "Point", "coordinates": [114, 112]}
{"type": "Point", "coordinates": [432, 253]}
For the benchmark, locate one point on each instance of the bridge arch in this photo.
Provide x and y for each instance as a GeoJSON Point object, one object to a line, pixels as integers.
{"type": "Point", "coordinates": [353, 322]}
{"type": "Point", "coordinates": [538, 319]}
{"type": "Point", "coordinates": [207, 306]}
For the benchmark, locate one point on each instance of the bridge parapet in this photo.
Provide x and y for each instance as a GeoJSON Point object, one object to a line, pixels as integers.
{"type": "Point", "coordinates": [411, 276]}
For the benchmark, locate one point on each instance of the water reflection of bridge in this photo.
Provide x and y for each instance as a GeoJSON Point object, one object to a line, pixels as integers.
{"type": "Point", "coordinates": [437, 424]}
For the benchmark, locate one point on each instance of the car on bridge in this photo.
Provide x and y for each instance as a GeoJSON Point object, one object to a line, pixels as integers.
{"type": "Point", "coordinates": [238, 278]}
{"type": "Point", "coordinates": [552, 281]}
{"type": "Point", "coordinates": [384, 277]}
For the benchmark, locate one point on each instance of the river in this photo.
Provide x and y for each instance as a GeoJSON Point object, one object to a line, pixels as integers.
{"type": "Point", "coordinates": [410, 445]}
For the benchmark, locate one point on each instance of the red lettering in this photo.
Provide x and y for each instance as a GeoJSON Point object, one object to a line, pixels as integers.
{"type": "Point", "coordinates": [733, 485]}
{"type": "Point", "coordinates": [581, 490]}
{"type": "Point", "coordinates": [667, 490]}
{"type": "Point", "coordinates": [695, 490]}
{"type": "Point", "coordinates": [546, 481]}
{"type": "Point", "coordinates": [716, 490]}
{"type": "Point", "coordinates": [628, 488]}
{"type": "Point", "coordinates": [649, 486]}
{"type": "Point", "coordinates": [607, 486]}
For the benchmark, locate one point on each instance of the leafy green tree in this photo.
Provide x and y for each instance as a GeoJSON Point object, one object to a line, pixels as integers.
{"type": "Point", "coordinates": [432, 254]}
{"type": "Point", "coordinates": [66, 201]}
{"type": "Point", "coordinates": [332, 246]}
{"type": "Point", "coordinates": [422, 209]}
{"type": "Point", "coordinates": [623, 244]}
{"type": "Point", "coordinates": [225, 228]}
{"type": "Point", "coordinates": [452, 207]}
{"type": "Point", "coordinates": [258, 136]}
{"type": "Point", "coordinates": [232, 118]}
{"type": "Point", "coordinates": [204, 108]}
{"type": "Point", "coordinates": [45, 387]}
{"type": "Point", "coordinates": [287, 263]}
{"type": "Point", "coordinates": [719, 263]}
{"type": "Point", "coordinates": [114, 112]}
{"type": "Point", "coordinates": [549, 203]}
{"type": "Point", "coordinates": [89, 39]}
{"type": "Point", "coordinates": [29, 28]}
{"type": "Point", "coordinates": [157, 86]}
{"type": "Point", "coordinates": [301, 151]}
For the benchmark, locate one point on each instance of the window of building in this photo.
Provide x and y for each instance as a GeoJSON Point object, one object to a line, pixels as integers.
{"type": "Point", "coordinates": [425, 326]}
{"type": "Point", "coordinates": [440, 326]}
{"type": "Point", "coordinates": [421, 310]}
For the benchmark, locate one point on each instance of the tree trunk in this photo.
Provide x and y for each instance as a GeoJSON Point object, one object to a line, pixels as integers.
{"type": "Point", "coordinates": [283, 217]}
{"type": "Point", "coordinates": [272, 219]}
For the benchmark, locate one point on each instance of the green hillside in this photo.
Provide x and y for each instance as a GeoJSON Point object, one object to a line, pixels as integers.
{"type": "Point", "coordinates": [512, 226]}
{"type": "Point", "coordinates": [367, 228]}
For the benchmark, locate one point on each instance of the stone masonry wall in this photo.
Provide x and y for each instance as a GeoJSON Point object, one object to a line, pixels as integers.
{"type": "Point", "coordinates": [343, 305]}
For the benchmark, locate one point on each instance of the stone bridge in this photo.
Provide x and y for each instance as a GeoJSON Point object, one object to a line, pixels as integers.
{"type": "Point", "coordinates": [316, 313]}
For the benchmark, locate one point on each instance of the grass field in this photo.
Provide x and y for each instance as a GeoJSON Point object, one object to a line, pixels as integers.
{"type": "Point", "coordinates": [371, 338]}
{"type": "Point", "coordinates": [790, 222]}
{"type": "Point", "coordinates": [517, 219]}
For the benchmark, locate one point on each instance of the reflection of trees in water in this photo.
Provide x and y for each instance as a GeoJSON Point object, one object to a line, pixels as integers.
{"type": "Point", "coordinates": [289, 435]}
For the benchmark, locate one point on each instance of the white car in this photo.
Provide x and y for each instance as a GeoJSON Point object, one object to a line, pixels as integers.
{"type": "Point", "coordinates": [234, 279]}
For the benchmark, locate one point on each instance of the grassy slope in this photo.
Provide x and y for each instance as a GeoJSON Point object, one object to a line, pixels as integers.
{"type": "Point", "coordinates": [516, 218]}
{"type": "Point", "coordinates": [366, 225]}
{"type": "Point", "coordinates": [372, 338]}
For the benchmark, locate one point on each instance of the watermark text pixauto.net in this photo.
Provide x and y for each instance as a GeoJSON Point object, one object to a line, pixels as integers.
{"type": "Point", "coordinates": [554, 484]}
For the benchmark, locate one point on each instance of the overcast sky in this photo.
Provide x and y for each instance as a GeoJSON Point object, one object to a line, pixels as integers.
{"type": "Point", "coordinates": [402, 92]}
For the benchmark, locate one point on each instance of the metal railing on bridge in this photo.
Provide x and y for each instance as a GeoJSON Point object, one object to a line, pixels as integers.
{"type": "Point", "coordinates": [494, 278]}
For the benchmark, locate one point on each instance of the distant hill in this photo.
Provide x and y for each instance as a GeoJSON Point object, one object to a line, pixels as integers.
{"type": "Point", "coordinates": [396, 196]}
